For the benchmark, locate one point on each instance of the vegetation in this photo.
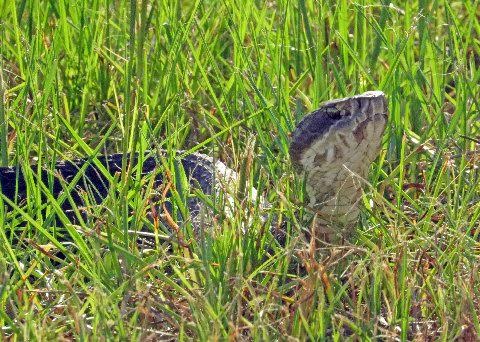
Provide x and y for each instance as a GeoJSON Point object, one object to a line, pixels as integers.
{"type": "Point", "coordinates": [230, 79]}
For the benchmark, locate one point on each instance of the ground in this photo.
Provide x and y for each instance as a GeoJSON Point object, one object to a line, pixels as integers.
{"type": "Point", "coordinates": [231, 79]}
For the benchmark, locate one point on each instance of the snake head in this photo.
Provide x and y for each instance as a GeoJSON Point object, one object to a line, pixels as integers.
{"type": "Point", "coordinates": [334, 147]}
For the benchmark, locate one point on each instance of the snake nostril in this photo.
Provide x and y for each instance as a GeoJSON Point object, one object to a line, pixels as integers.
{"type": "Point", "coordinates": [360, 131]}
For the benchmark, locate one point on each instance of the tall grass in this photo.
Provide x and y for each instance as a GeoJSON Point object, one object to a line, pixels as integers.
{"type": "Point", "coordinates": [231, 79]}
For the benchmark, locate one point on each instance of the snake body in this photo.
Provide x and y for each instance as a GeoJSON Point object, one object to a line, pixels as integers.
{"type": "Point", "coordinates": [331, 147]}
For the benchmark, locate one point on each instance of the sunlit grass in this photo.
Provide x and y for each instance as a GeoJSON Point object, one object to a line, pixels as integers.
{"type": "Point", "coordinates": [230, 79]}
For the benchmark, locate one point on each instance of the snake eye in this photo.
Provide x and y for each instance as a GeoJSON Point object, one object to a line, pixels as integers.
{"type": "Point", "coordinates": [335, 114]}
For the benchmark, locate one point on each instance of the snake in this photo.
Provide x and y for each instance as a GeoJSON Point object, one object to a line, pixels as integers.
{"type": "Point", "coordinates": [332, 148]}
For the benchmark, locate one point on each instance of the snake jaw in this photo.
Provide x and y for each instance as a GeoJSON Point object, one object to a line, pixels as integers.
{"type": "Point", "coordinates": [334, 147]}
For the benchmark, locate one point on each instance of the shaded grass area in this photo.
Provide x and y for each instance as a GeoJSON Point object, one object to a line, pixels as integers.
{"type": "Point", "coordinates": [231, 79]}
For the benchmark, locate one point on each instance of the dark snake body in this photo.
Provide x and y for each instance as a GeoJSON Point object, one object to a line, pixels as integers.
{"type": "Point", "coordinates": [197, 167]}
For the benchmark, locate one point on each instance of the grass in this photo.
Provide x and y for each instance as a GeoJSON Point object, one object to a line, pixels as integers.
{"type": "Point", "coordinates": [231, 80]}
